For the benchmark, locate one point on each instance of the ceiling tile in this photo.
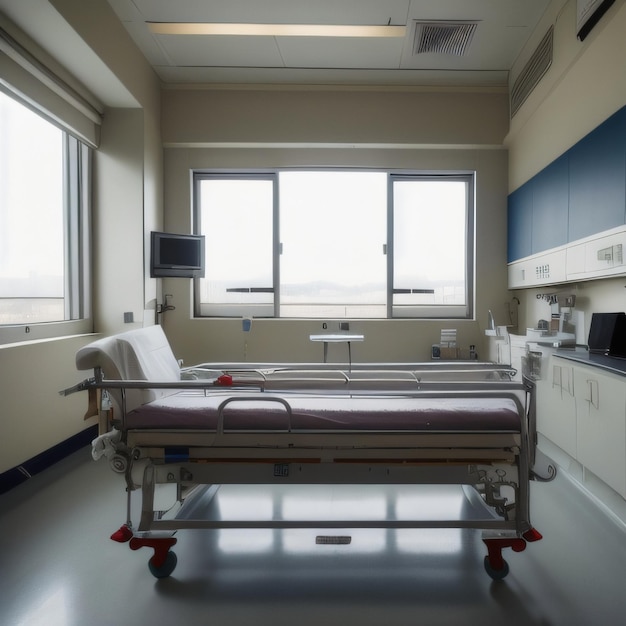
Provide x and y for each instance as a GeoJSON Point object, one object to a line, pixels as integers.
{"type": "Point", "coordinates": [504, 26]}
{"type": "Point", "coordinates": [220, 51]}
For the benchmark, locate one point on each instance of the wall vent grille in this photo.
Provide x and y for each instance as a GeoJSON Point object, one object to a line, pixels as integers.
{"type": "Point", "coordinates": [533, 71]}
{"type": "Point", "coordinates": [443, 37]}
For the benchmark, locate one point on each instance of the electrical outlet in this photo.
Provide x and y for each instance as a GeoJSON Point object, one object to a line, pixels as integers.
{"type": "Point", "coordinates": [344, 325]}
{"type": "Point", "coordinates": [129, 318]}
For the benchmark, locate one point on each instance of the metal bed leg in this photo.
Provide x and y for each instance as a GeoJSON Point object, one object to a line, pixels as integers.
{"type": "Point", "coordinates": [125, 532]}
{"type": "Point", "coordinates": [163, 561]}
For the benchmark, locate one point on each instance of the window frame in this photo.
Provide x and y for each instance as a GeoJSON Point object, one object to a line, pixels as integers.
{"type": "Point", "coordinates": [440, 311]}
{"type": "Point", "coordinates": [77, 184]}
{"type": "Point", "coordinates": [437, 311]}
{"type": "Point", "coordinates": [253, 310]}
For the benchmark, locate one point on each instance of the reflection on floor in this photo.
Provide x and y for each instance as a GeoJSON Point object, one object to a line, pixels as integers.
{"type": "Point", "coordinates": [60, 568]}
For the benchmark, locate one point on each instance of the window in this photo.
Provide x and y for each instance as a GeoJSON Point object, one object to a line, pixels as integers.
{"type": "Point", "coordinates": [431, 246]}
{"type": "Point", "coordinates": [44, 191]}
{"type": "Point", "coordinates": [335, 244]}
{"type": "Point", "coordinates": [237, 217]}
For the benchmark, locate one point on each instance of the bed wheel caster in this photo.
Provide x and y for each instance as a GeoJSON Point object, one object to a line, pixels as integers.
{"type": "Point", "coordinates": [496, 574]}
{"type": "Point", "coordinates": [163, 561]}
{"type": "Point", "coordinates": [164, 570]}
{"type": "Point", "coordinates": [495, 565]}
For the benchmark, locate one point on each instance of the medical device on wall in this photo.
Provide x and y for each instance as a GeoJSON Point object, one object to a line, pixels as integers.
{"type": "Point", "coordinates": [174, 255]}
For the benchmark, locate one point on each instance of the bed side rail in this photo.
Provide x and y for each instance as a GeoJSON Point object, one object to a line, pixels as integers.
{"type": "Point", "coordinates": [437, 386]}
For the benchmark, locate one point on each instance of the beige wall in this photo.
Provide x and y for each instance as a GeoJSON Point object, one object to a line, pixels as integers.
{"type": "Point", "coordinates": [416, 130]}
{"type": "Point", "coordinates": [585, 85]}
{"type": "Point", "coordinates": [34, 417]}
{"type": "Point", "coordinates": [318, 116]}
{"type": "Point", "coordinates": [128, 169]}
{"type": "Point", "coordinates": [127, 204]}
{"type": "Point", "coordinates": [118, 251]}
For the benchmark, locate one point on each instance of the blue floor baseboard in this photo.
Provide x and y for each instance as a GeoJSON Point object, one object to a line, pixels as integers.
{"type": "Point", "coordinates": [17, 475]}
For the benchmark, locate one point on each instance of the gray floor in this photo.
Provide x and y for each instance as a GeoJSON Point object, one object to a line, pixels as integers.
{"type": "Point", "coordinates": [59, 567]}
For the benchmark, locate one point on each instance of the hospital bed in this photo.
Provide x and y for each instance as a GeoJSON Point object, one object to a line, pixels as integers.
{"type": "Point", "coordinates": [179, 435]}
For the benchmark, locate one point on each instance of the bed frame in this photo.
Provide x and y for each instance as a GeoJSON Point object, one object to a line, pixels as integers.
{"type": "Point", "coordinates": [186, 432]}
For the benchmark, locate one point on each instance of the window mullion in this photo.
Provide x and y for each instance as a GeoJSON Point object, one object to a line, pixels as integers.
{"type": "Point", "coordinates": [389, 250]}
{"type": "Point", "coordinates": [277, 246]}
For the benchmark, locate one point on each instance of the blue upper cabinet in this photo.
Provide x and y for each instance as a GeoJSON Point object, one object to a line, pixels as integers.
{"type": "Point", "coordinates": [538, 212]}
{"type": "Point", "coordinates": [581, 193]}
{"type": "Point", "coordinates": [550, 206]}
{"type": "Point", "coordinates": [520, 222]}
{"type": "Point", "coordinates": [598, 179]}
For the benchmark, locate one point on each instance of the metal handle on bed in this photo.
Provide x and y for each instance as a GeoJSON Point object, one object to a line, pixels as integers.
{"type": "Point", "coordinates": [263, 398]}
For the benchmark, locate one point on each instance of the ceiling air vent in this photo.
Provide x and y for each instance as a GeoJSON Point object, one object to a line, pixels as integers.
{"type": "Point", "coordinates": [443, 37]}
{"type": "Point", "coordinates": [533, 71]}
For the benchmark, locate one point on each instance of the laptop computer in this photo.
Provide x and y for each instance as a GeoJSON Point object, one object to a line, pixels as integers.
{"type": "Point", "coordinates": [607, 334]}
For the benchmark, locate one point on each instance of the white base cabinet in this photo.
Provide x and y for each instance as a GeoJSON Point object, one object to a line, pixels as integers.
{"type": "Point", "coordinates": [556, 408]}
{"type": "Point", "coordinates": [601, 424]}
{"type": "Point", "coordinates": [582, 409]}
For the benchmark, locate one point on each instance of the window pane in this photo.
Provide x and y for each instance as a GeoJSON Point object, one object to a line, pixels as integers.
{"type": "Point", "coordinates": [32, 247]}
{"type": "Point", "coordinates": [236, 217]}
{"type": "Point", "coordinates": [332, 231]}
{"type": "Point", "coordinates": [430, 248]}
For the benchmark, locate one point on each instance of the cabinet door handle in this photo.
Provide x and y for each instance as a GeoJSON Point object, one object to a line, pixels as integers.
{"type": "Point", "coordinates": [593, 393]}
{"type": "Point", "coordinates": [569, 385]}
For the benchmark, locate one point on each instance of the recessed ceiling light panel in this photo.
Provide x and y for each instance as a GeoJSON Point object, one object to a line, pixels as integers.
{"type": "Point", "coordinates": [275, 30]}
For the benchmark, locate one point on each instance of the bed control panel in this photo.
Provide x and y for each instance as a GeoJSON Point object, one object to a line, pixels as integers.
{"type": "Point", "coordinates": [281, 470]}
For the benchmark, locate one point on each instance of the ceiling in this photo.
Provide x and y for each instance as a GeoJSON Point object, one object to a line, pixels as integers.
{"type": "Point", "coordinates": [502, 28]}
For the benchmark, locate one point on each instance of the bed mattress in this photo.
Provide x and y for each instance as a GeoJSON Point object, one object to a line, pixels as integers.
{"type": "Point", "coordinates": [197, 411]}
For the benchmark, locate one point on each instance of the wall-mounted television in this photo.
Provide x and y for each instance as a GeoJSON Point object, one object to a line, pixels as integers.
{"type": "Point", "coordinates": [179, 256]}
{"type": "Point", "coordinates": [588, 14]}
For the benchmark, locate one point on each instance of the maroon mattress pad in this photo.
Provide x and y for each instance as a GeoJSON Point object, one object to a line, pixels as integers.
{"type": "Point", "coordinates": [191, 410]}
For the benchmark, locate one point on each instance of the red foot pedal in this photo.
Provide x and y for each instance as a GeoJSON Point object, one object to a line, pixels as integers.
{"type": "Point", "coordinates": [532, 535]}
{"type": "Point", "coordinates": [161, 546]}
{"type": "Point", "coordinates": [122, 535]}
